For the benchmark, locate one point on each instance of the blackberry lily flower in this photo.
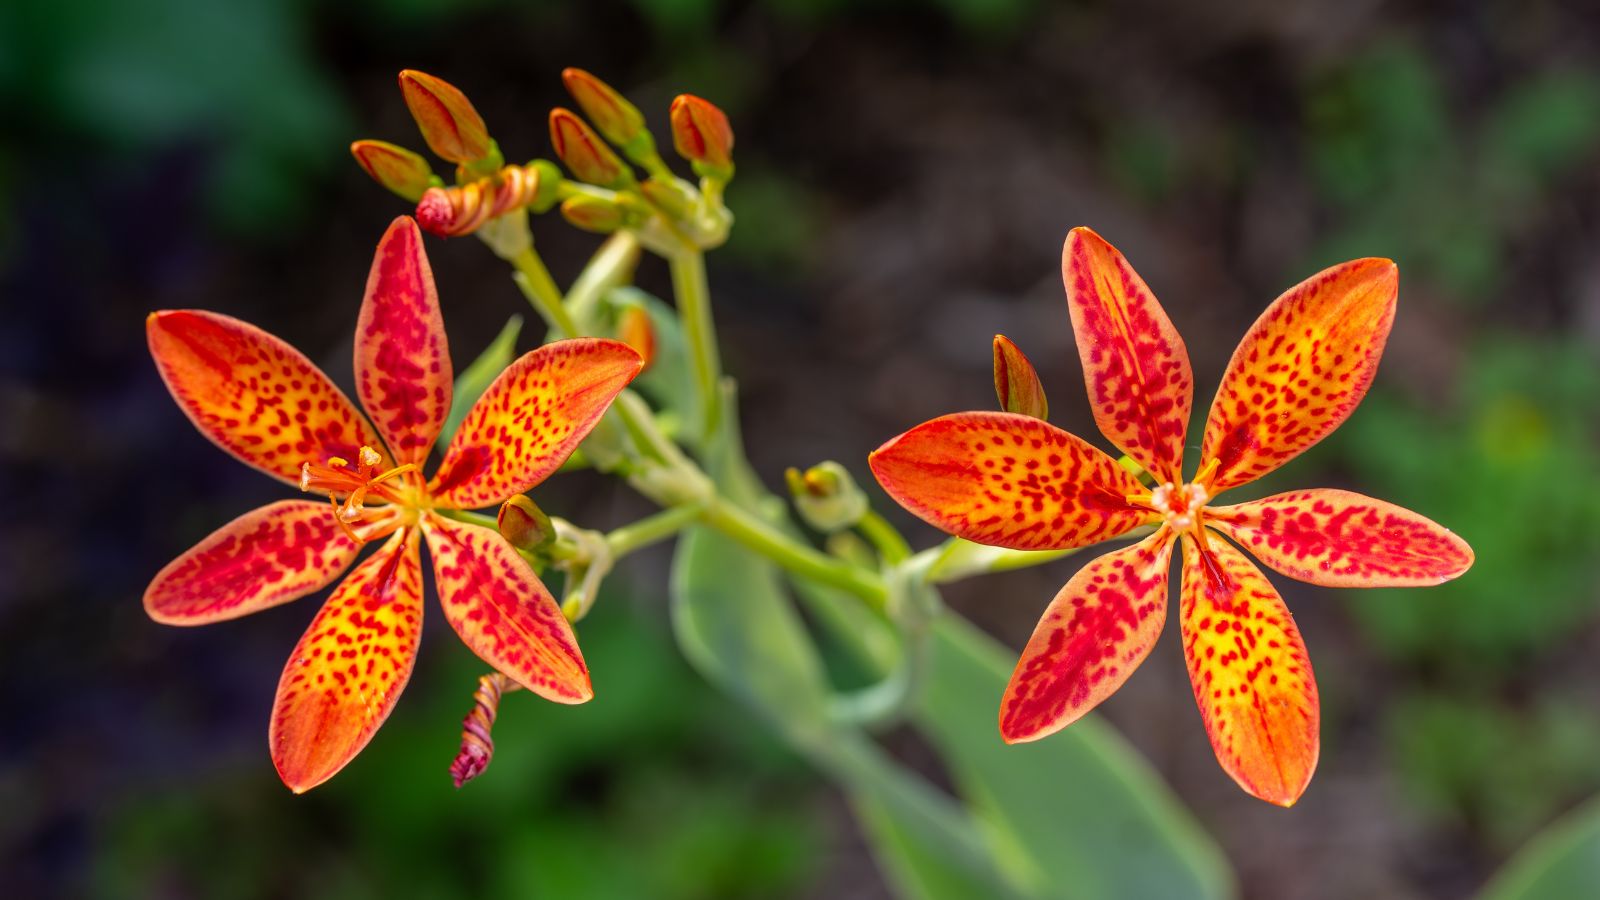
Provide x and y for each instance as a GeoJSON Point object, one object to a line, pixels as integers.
{"type": "Point", "coordinates": [1014, 481]}
{"type": "Point", "coordinates": [262, 401]}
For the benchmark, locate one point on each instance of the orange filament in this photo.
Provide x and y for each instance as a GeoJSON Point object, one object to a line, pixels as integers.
{"type": "Point", "coordinates": [356, 483]}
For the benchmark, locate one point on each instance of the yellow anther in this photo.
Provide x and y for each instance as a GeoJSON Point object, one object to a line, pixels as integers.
{"type": "Point", "coordinates": [337, 462]}
{"type": "Point", "coordinates": [369, 457]}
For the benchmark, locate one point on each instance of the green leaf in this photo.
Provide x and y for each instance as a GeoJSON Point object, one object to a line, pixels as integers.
{"type": "Point", "coordinates": [732, 618]}
{"type": "Point", "coordinates": [1561, 861]}
{"type": "Point", "coordinates": [477, 377]}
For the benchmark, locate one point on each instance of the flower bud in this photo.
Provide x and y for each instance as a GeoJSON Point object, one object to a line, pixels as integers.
{"type": "Point", "coordinates": [1015, 382]}
{"type": "Point", "coordinates": [396, 168]}
{"type": "Point", "coordinates": [702, 135]}
{"type": "Point", "coordinates": [672, 196]}
{"type": "Point", "coordinates": [584, 153]}
{"type": "Point", "coordinates": [524, 525]}
{"type": "Point", "coordinates": [593, 214]}
{"type": "Point", "coordinates": [612, 115]}
{"type": "Point", "coordinates": [452, 128]}
{"type": "Point", "coordinates": [635, 329]}
{"type": "Point", "coordinates": [826, 496]}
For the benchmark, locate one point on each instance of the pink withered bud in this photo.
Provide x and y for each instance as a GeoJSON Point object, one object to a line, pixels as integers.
{"type": "Point", "coordinates": [593, 214]}
{"type": "Point", "coordinates": [477, 745]}
{"type": "Point", "coordinates": [524, 525]}
{"type": "Point", "coordinates": [450, 125]}
{"type": "Point", "coordinates": [396, 168]}
{"type": "Point", "coordinates": [635, 329]}
{"type": "Point", "coordinates": [459, 210]}
{"type": "Point", "coordinates": [586, 156]}
{"type": "Point", "coordinates": [702, 135]}
{"type": "Point", "coordinates": [1015, 382]}
{"type": "Point", "coordinates": [612, 114]}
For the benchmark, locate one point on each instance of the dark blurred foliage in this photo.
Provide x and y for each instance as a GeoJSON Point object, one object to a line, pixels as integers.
{"type": "Point", "coordinates": [907, 173]}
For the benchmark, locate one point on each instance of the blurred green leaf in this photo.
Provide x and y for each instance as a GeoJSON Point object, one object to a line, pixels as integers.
{"type": "Point", "coordinates": [731, 616]}
{"type": "Point", "coordinates": [477, 377]}
{"type": "Point", "coordinates": [1562, 861]}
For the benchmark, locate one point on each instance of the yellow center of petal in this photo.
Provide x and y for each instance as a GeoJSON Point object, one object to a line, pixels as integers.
{"type": "Point", "coordinates": [1180, 505]}
{"type": "Point", "coordinates": [401, 486]}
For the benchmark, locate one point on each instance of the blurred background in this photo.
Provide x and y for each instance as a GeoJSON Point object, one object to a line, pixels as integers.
{"type": "Point", "coordinates": [907, 172]}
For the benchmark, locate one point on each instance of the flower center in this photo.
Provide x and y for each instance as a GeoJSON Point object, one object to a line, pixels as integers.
{"type": "Point", "coordinates": [358, 483]}
{"type": "Point", "coordinates": [1180, 504]}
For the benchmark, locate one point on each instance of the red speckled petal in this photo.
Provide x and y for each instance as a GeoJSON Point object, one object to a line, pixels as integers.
{"type": "Point", "coordinates": [267, 556]}
{"type": "Point", "coordinates": [1301, 370]}
{"type": "Point", "coordinates": [1091, 638]}
{"type": "Point", "coordinates": [531, 419]}
{"type": "Point", "coordinates": [403, 373]}
{"type": "Point", "coordinates": [1340, 539]}
{"type": "Point", "coordinates": [1008, 480]}
{"type": "Point", "coordinates": [254, 395]}
{"type": "Point", "coordinates": [1140, 385]}
{"type": "Point", "coordinates": [348, 670]}
{"type": "Point", "coordinates": [503, 612]}
{"type": "Point", "coordinates": [1251, 676]}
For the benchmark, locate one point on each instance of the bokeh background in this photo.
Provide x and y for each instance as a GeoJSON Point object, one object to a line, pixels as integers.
{"type": "Point", "coordinates": [906, 174]}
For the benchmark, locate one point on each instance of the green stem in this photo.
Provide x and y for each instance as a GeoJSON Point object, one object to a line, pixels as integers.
{"type": "Point", "coordinates": [611, 266]}
{"type": "Point", "coordinates": [892, 547]}
{"type": "Point", "coordinates": [798, 558]}
{"type": "Point", "coordinates": [541, 290]}
{"type": "Point", "coordinates": [694, 305]}
{"type": "Point", "coordinates": [652, 529]}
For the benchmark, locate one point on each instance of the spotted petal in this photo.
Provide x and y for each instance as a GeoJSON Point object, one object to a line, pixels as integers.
{"type": "Point", "coordinates": [530, 420]}
{"type": "Point", "coordinates": [1340, 539]}
{"type": "Point", "coordinates": [1091, 638]}
{"type": "Point", "coordinates": [346, 673]}
{"type": "Point", "coordinates": [1251, 676]}
{"type": "Point", "coordinates": [1007, 480]}
{"type": "Point", "coordinates": [252, 394]}
{"type": "Point", "coordinates": [1301, 369]}
{"type": "Point", "coordinates": [1134, 362]}
{"type": "Point", "coordinates": [267, 556]}
{"type": "Point", "coordinates": [403, 373]}
{"type": "Point", "coordinates": [503, 612]}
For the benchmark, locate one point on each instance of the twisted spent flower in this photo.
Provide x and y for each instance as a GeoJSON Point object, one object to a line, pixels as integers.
{"type": "Point", "coordinates": [1014, 481]}
{"type": "Point", "coordinates": [262, 401]}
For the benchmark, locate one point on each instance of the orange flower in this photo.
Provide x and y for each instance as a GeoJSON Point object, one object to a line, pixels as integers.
{"type": "Point", "coordinates": [1014, 481]}
{"type": "Point", "coordinates": [262, 401]}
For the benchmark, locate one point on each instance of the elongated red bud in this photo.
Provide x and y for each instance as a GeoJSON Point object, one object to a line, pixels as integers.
{"type": "Point", "coordinates": [477, 744]}
{"type": "Point", "coordinates": [635, 329]}
{"type": "Point", "coordinates": [396, 168]}
{"type": "Point", "coordinates": [593, 214]}
{"type": "Point", "coordinates": [702, 135]}
{"type": "Point", "coordinates": [612, 114]}
{"type": "Point", "coordinates": [1015, 382]}
{"type": "Point", "coordinates": [450, 125]}
{"type": "Point", "coordinates": [586, 156]}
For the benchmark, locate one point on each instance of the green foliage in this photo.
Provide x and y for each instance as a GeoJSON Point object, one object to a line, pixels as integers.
{"type": "Point", "coordinates": [237, 76]}
{"type": "Point", "coordinates": [1562, 861]}
{"type": "Point", "coordinates": [643, 792]}
{"type": "Point", "coordinates": [1438, 195]}
{"type": "Point", "coordinates": [1519, 479]}
{"type": "Point", "coordinates": [1469, 762]}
